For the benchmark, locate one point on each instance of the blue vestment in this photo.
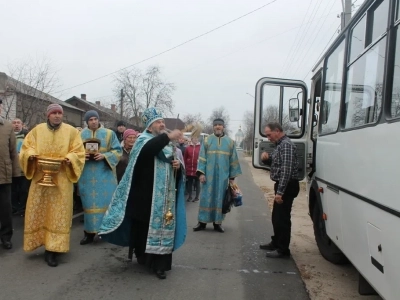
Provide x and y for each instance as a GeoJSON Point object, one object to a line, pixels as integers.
{"type": "Point", "coordinates": [98, 181]}
{"type": "Point", "coordinates": [218, 161]}
{"type": "Point", "coordinates": [162, 238]}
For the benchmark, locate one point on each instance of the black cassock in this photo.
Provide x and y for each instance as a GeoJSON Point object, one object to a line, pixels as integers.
{"type": "Point", "coordinates": [138, 208]}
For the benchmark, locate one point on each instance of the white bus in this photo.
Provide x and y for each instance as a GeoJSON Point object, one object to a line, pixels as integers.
{"type": "Point", "coordinates": [348, 140]}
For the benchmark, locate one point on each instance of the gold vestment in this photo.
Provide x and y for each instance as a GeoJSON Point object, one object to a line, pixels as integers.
{"type": "Point", "coordinates": [48, 216]}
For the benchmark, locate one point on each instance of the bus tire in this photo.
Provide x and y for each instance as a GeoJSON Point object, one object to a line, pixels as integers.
{"type": "Point", "coordinates": [326, 246]}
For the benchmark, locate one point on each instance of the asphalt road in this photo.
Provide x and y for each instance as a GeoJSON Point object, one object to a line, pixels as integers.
{"type": "Point", "coordinates": [211, 265]}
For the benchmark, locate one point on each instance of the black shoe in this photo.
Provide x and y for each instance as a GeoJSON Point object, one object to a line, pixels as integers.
{"type": "Point", "coordinates": [88, 239]}
{"type": "Point", "coordinates": [271, 246]}
{"type": "Point", "coordinates": [189, 199]}
{"type": "Point", "coordinates": [218, 227]}
{"type": "Point", "coordinates": [200, 226]}
{"type": "Point", "coordinates": [196, 199]}
{"type": "Point", "coordinates": [50, 258]}
{"type": "Point", "coordinates": [277, 254]}
{"type": "Point", "coordinates": [141, 260]}
{"type": "Point", "coordinates": [160, 274]}
{"type": "Point", "coordinates": [6, 244]}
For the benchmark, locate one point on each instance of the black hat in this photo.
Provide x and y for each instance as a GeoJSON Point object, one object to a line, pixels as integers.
{"type": "Point", "coordinates": [218, 121]}
{"type": "Point", "coordinates": [121, 123]}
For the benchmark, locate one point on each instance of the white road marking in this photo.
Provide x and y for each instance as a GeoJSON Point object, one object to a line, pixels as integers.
{"type": "Point", "coordinates": [77, 215]}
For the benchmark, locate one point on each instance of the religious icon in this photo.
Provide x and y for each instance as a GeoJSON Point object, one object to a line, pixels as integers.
{"type": "Point", "coordinates": [92, 147]}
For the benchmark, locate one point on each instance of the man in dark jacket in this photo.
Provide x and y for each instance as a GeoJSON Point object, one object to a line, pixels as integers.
{"type": "Point", "coordinates": [9, 168]}
{"type": "Point", "coordinates": [285, 172]}
{"type": "Point", "coordinates": [121, 127]}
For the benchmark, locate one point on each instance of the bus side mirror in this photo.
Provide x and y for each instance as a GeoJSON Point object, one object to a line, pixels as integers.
{"type": "Point", "coordinates": [294, 111]}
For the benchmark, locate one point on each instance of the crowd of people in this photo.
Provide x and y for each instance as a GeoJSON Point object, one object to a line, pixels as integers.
{"type": "Point", "coordinates": [133, 186]}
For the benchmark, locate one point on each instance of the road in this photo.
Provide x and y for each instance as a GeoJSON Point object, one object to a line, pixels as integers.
{"type": "Point", "coordinates": [211, 265]}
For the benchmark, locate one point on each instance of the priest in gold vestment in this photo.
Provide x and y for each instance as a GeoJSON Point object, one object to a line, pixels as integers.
{"type": "Point", "coordinates": [48, 216]}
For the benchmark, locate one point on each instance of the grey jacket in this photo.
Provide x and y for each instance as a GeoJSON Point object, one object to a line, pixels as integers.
{"type": "Point", "coordinates": [9, 166]}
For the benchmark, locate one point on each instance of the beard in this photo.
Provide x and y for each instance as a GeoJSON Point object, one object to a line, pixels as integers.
{"type": "Point", "coordinates": [218, 132]}
{"type": "Point", "coordinates": [157, 132]}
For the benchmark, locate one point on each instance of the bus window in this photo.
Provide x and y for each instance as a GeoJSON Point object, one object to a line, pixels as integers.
{"type": "Point", "coordinates": [276, 108]}
{"type": "Point", "coordinates": [357, 44]}
{"type": "Point", "coordinates": [292, 101]}
{"type": "Point", "coordinates": [367, 73]}
{"type": "Point", "coordinates": [395, 105]}
{"type": "Point", "coordinates": [270, 105]}
{"type": "Point", "coordinates": [379, 16]}
{"type": "Point", "coordinates": [329, 112]}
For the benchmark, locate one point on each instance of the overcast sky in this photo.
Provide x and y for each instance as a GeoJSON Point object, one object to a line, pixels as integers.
{"type": "Point", "coordinates": [89, 38]}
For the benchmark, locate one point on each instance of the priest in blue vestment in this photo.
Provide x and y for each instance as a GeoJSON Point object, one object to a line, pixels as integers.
{"type": "Point", "coordinates": [147, 211]}
{"type": "Point", "coordinates": [218, 166]}
{"type": "Point", "coordinates": [99, 180]}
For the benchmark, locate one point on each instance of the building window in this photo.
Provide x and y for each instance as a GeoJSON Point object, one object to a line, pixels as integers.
{"type": "Point", "coordinates": [329, 112]}
{"type": "Point", "coordinates": [364, 87]}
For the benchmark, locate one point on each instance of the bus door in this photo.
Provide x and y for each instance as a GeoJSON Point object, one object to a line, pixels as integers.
{"type": "Point", "coordinates": [283, 101]}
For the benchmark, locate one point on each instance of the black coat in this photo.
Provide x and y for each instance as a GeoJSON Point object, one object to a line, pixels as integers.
{"type": "Point", "coordinates": [141, 193]}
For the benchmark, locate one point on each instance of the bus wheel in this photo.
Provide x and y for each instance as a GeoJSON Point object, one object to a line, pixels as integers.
{"type": "Point", "coordinates": [325, 245]}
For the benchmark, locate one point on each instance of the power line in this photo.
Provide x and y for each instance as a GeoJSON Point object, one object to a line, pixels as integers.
{"type": "Point", "coordinates": [291, 53]}
{"type": "Point", "coordinates": [177, 46]}
{"type": "Point", "coordinates": [252, 46]}
{"type": "Point", "coordinates": [323, 51]}
{"type": "Point", "coordinates": [313, 41]}
{"type": "Point", "coordinates": [241, 49]}
{"type": "Point", "coordinates": [302, 39]}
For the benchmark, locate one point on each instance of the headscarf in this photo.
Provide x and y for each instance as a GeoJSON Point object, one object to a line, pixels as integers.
{"type": "Point", "coordinates": [129, 132]}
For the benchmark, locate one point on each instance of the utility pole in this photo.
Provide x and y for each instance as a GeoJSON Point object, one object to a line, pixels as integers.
{"type": "Point", "coordinates": [122, 103]}
{"type": "Point", "coordinates": [346, 14]}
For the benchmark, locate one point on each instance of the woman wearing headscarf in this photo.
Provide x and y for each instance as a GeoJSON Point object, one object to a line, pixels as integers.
{"type": "Point", "coordinates": [129, 139]}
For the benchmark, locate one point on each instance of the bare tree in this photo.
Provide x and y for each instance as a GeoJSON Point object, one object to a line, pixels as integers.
{"type": "Point", "coordinates": [193, 119]}
{"type": "Point", "coordinates": [29, 83]}
{"type": "Point", "coordinates": [271, 114]}
{"type": "Point", "coordinates": [142, 90]}
{"type": "Point", "coordinates": [248, 130]}
{"type": "Point", "coordinates": [220, 113]}
{"type": "Point", "coordinates": [130, 82]}
{"type": "Point", "coordinates": [156, 92]}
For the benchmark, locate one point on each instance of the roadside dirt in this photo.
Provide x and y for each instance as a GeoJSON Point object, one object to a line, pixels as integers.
{"type": "Point", "coordinates": [322, 279]}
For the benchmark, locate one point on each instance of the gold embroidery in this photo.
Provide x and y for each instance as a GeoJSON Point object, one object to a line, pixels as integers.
{"type": "Point", "coordinates": [235, 163]}
{"type": "Point", "coordinates": [47, 229]}
{"type": "Point", "coordinates": [203, 159]}
{"type": "Point", "coordinates": [94, 194]}
{"type": "Point", "coordinates": [95, 210]}
{"type": "Point", "coordinates": [219, 152]}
